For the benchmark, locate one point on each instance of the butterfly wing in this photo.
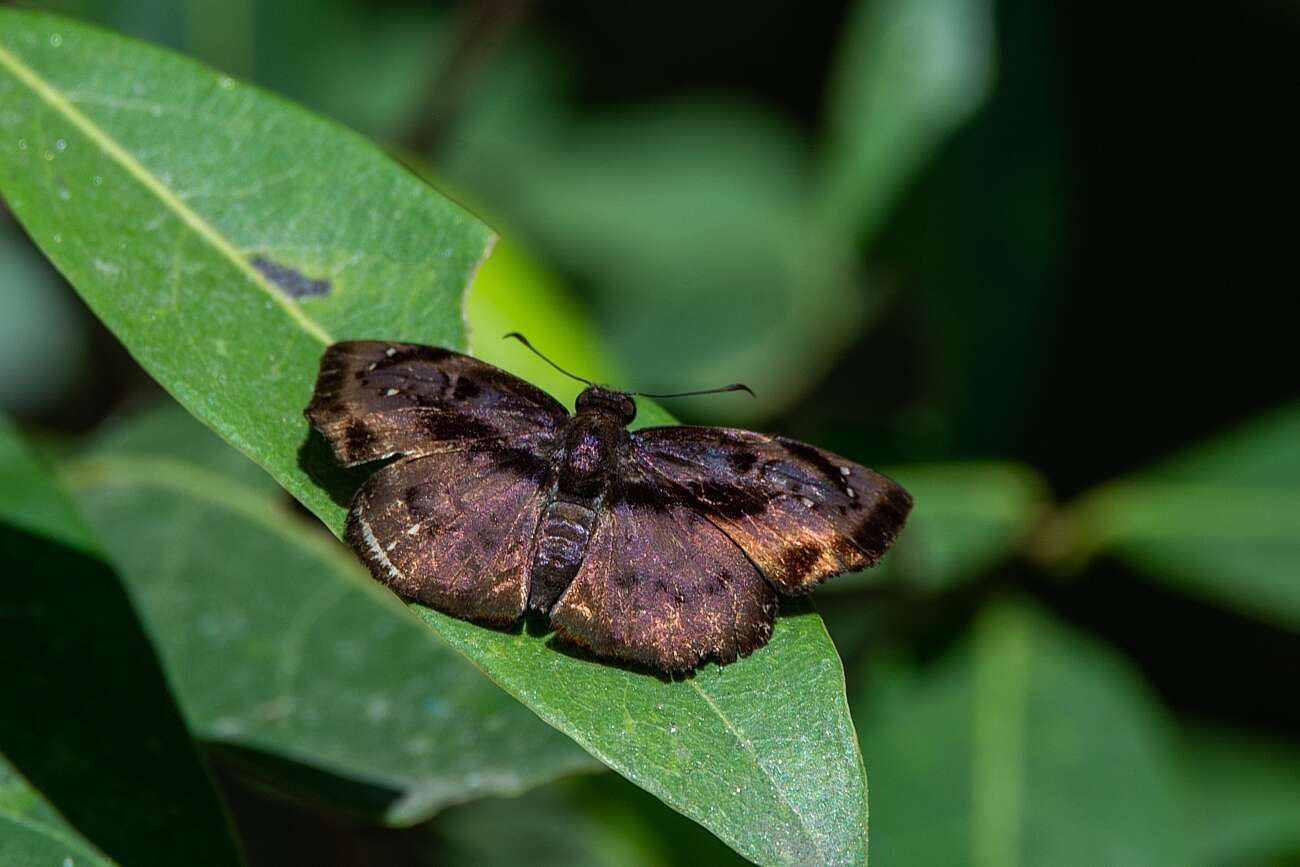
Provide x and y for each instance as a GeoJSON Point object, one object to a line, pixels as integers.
{"type": "Point", "coordinates": [455, 531]}
{"type": "Point", "coordinates": [375, 399]}
{"type": "Point", "coordinates": [662, 586]}
{"type": "Point", "coordinates": [800, 514]}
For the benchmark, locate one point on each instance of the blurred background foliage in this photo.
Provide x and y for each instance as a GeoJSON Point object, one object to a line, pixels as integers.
{"type": "Point", "coordinates": [1029, 258]}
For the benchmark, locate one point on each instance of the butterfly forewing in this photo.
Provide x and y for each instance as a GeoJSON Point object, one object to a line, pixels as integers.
{"type": "Point", "coordinates": [455, 530]}
{"type": "Point", "coordinates": [664, 587]}
{"type": "Point", "coordinates": [377, 399]}
{"type": "Point", "coordinates": [799, 513]}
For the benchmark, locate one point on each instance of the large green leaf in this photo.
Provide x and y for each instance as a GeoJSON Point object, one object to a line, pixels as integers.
{"type": "Point", "coordinates": [224, 236]}
{"type": "Point", "coordinates": [197, 173]}
{"type": "Point", "coordinates": [1024, 745]}
{"type": "Point", "coordinates": [1222, 521]}
{"type": "Point", "coordinates": [280, 646]}
{"type": "Point", "coordinates": [908, 73]}
{"type": "Point", "coordinates": [94, 755]}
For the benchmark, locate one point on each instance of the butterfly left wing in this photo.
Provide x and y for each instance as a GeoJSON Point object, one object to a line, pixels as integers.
{"type": "Point", "coordinates": [800, 514]}
{"type": "Point", "coordinates": [456, 531]}
{"type": "Point", "coordinates": [662, 586]}
{"type": "Point", "coordinates": [375, 399]}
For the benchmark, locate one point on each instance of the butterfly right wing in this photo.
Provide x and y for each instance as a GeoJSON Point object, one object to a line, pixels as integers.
{"type": "Point", "coordinates": [375, 399]}
{"type": "Point", "coordinates": [662, 586]}
{"type": "Point", "coordinates": [800, 513]}
{"type": "Point", "coordinates": [455, 531]}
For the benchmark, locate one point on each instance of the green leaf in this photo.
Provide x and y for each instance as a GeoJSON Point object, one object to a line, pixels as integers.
{"type": "Point", "coordinates": [280, 646]}
{"type": "Point", "coordinates": [762, 752]}
{"type": "Point", "coordinates": [1245, 795]}
{"type": "Point", "coordinates": [909, 72]}
{"type": "Point", "coordinates": [94, 755]}
{"type": "Point", "coordinates": [188, 210]}
{"type": "Point", "coordinates": [967, 519]}
{"type": "Point", "coordinates": [1222, 521]}
{"type": "Point", "coordinates": [1024, 745]}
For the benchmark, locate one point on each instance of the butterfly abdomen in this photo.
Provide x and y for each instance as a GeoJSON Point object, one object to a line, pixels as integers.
{"type": "Point", "coordinates": [563, 535]}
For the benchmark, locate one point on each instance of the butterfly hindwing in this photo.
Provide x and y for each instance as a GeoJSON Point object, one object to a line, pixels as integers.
{"type": "Point", "coordinates": [662, 586]}
{"type": "Point", "coordinates": [799, 513]}
{"type": "Point", "coordinates": [455, 531]}
{"type": "Point", "coordinates": [376, 399]}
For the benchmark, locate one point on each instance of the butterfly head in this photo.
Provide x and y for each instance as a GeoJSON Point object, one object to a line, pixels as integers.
{"type": "Point", "coordinates": [607, 401]}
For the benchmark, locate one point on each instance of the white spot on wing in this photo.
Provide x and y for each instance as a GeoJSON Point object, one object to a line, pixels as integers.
{"type": "Point", "coordinates": [844, 471]}
{"type": "Point", "coordinates": [413, 529]}
{"type": "Point", "coordinates": [390, 351]}
{"type": "Point", "coordinates": [390, 392]}
{"type": "Point", "coordinates": [807, 503]}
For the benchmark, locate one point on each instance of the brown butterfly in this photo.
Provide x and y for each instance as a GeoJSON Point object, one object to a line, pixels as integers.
{"type": "Point", "coordinates": [664, 546]}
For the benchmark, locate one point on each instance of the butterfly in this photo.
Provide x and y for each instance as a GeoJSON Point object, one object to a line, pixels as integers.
{"type": "Point", "coordinates": [663, 547]}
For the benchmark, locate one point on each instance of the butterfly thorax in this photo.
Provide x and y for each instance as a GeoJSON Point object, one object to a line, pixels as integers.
{"type": "Point", "coordinates": [592, 445]}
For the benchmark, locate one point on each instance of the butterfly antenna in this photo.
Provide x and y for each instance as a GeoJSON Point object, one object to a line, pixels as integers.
{"type": "Point", "coordinates": [735, 386]}
{"type": "Point", "coordinates": [524, 340]}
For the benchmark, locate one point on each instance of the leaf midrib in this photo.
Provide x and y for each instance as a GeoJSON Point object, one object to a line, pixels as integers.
{"type": "Point", "coordinates": [114, 151]}
{"type": "Point", "coordinates": [747, 747]}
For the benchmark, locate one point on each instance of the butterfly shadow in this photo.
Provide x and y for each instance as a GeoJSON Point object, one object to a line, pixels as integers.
{"type": "Point", "coordinates": [316, 459]}
{"type": "Point", "coordinates": [538, 626]}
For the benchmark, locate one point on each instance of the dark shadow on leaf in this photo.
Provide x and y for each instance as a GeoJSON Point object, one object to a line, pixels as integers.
{"type": "Point", "coordinates": [513, 628]}
{"type": "Point", "coordinates": [302, 783]}
{"type": "Point", "coordinates": [317, 461]}
{"type": "Point", "coordinates": [577, 651]}
{"type": "Point", "coordinates": [89, 720]}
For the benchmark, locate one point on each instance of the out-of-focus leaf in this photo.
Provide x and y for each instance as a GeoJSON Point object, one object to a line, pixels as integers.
{"type": "Point", "coordinates": [691, 222]}
{"type": "Point", "coordinates": [908, 73]}
{"type": "Point", "coordinates": [762, 753]}
{"type": "Point", "coordinates": [23, 843]}
{"type": "Point", "coordinates": [1026, 744]}
{"type": "Point", "coordinates": [42, 340]}
{"type": "Point", "coordinates": [225, 236]}
{"type": "Point", "coordinates": [1244, 792]}
{"type": "Point", "coordinates": [1222, 521]}
{"type": "Point", "coordinates": [966, 519]}
{"type": "Point", "coordinates": [588, 820]}
{"type": "Point", "coordinates": [514, 292]}
{"type": "Point", "coordinates": [343, 60]}
{"type": "Point", "coordinates": [94, 755]}
{"type": "Point", "coordinates": [280, 645]}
